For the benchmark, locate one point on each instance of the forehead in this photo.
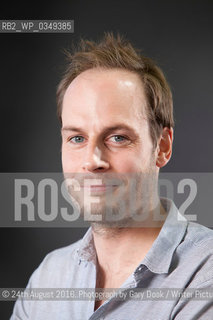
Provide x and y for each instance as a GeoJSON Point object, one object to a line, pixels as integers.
{"type": "Point", "coordinates": [104, 95]}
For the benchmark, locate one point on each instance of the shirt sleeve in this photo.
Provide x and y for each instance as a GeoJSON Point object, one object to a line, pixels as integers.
{"type": "Point", "coordinates": [22, 306]}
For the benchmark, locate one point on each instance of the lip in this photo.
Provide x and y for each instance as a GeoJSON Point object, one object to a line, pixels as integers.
{"type": "Point", "coordinates": [99, 188]}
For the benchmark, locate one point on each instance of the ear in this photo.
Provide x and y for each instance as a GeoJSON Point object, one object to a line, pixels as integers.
{"type": "Point", "coordinates": [164, 148]}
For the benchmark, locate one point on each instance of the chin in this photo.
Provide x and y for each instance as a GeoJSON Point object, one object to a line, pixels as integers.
{"type": "Point", "coordinates": [107, 215]}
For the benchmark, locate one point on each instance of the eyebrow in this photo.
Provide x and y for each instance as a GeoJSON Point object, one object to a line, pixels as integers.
{"type": "Point", "coordinates": [105, 130]}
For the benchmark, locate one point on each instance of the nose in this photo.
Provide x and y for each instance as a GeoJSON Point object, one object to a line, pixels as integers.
{"type": "Point", "coordinates": [94, 161]}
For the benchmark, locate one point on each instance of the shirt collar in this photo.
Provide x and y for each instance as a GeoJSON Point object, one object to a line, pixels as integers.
{"type": "Point", "coordinates": [159, 257]}
{"type": "Point", "coordinates": [86, 249]}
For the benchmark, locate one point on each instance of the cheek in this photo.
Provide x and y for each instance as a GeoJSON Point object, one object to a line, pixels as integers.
{"type": "Point", "coordinates": [126, 163]}
{"type": "Point", "coordinates": [70, 161]}
{"type": "Point", "coordinates": [137, 161]}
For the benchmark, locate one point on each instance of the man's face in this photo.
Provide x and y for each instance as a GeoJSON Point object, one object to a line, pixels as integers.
{"type": "Point", "coordinates": [105, 134]}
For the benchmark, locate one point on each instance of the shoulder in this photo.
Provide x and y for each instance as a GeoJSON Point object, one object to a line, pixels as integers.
{"type": "Point", "coordinates": [55, 268]}
{"type": "Point", "coordinates": [195, 254]}
{"type": "Point", "coordinates": [61, 255]}
{"type": "Point", "coordinates": [198, 235]}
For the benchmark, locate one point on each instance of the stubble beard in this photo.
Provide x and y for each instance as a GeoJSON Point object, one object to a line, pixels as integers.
{"type": "Point", "coordinates": [126, 206]}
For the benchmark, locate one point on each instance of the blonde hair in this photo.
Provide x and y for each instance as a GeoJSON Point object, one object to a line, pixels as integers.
{"type": "Point", "coordinates": [116, 52]}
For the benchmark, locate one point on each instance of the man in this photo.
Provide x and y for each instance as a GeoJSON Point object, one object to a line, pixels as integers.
{"type": "Point", "coordinates": [115, 108]}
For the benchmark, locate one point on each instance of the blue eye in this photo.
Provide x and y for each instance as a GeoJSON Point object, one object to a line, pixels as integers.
{"type": "Point", "coordinates": [119, 138]}
{"type": "Point", "coordinates": [77, 139]}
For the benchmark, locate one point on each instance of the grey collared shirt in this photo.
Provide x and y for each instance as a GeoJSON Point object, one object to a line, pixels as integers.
{"type": "Point", "coordinates": [180, 258]}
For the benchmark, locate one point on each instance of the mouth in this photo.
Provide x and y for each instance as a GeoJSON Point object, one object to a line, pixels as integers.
{"type": "Point", "coordinates": [99, 188]}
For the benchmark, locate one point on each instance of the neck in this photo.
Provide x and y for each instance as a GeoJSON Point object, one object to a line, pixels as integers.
{"type": "Point", "coordinates": [120, 248]}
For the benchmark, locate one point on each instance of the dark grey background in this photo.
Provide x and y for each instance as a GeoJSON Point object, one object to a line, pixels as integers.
{"type": "Point", "coordinates": [177, 34]}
